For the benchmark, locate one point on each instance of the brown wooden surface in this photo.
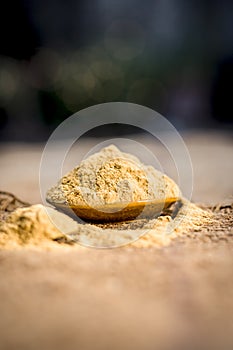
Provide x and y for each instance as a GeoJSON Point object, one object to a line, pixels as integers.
{"type": "Point", "coordinates": [179, 297]}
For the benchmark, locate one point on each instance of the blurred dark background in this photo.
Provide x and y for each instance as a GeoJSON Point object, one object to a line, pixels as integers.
{"type": "Point", "coordinates": [57, 57]}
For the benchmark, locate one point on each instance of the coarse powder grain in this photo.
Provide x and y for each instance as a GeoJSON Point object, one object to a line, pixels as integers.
{"type": "Point", "coordinates": [112, 176]}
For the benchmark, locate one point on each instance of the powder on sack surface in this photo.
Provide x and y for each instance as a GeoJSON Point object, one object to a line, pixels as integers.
{"type": "Point", "coordinates": [40, 226]}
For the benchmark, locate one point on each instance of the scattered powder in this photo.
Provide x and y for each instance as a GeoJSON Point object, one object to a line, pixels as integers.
{"type": "Point", "coordinates": [35, 226]}
{"type": "Point", "coordinates": [164, 229]}
{"type": "Point", "coordinates": [111, 176]}
{"type": "Point", "coordinates": [151, 233]}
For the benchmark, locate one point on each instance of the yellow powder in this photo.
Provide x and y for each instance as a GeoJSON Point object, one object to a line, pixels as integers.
{"type": "Point", "coordinates": [111, 176]}
{"type": "Point", "coordinates": [165, 229]}
{"type": "Point", "coordinates": [34, 225]}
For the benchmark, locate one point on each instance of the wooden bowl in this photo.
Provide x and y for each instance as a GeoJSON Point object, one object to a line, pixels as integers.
{"type": "Point", "coordinates": [116, 211]}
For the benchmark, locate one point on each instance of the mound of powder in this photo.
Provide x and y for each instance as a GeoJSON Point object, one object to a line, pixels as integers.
{"type": "Point", "coordinates": [34, 225]}
{"type": "Point", "coordinates": [111, 176]}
